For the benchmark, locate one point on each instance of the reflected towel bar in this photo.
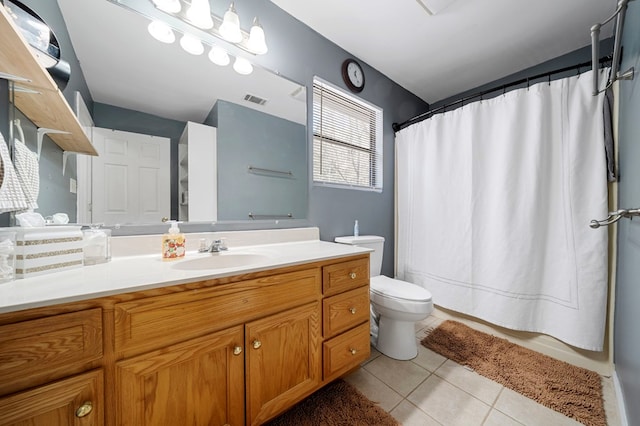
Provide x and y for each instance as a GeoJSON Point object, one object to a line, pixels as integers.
{"type": "Point", "coordinates": [270, 216]}
{"type": "Point", "coordinates": [253, 169]}
{"type": "Point", "coordinates": [614, 217]}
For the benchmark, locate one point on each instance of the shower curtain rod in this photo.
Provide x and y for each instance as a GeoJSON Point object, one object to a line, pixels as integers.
{"type": "Point", "coordinates": [418, 118]}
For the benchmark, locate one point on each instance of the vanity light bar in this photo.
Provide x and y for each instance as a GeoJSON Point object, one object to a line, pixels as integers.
{"type": "Point", "coordinates": [181, 22]}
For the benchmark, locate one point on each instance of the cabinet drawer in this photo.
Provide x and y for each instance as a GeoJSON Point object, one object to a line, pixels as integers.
{"type": "Point", "coordinates": [155, 322]}
{"type": "Point", "coordinates": [344, 311]}
{"type": "Point", "coordinates": [346, 351]}
{"type": "Point", "coordinates": [345, 276]}
{"type": "Point", "coordinates": [56, 404]}
{"type": "Point", "coordinates": [35, 351]}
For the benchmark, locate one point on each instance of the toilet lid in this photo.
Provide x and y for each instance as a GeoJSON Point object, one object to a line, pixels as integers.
{"type": "Point", "coordinates": [389, 287]}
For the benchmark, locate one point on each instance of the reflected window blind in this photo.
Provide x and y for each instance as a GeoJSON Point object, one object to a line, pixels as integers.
{"type": "Point", "coordinates": [347, 139]}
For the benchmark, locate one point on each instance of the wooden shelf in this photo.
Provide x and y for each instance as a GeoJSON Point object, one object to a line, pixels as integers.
{"type": "Point", "coordinates": [48, 108]}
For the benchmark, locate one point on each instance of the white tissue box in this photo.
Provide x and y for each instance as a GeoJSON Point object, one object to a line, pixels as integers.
{"type": "Point", "coordinates": [42, 250]}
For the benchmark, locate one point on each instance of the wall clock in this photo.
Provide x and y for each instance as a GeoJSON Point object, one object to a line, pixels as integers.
{"type": "Point", "coordinates": [353, 75]}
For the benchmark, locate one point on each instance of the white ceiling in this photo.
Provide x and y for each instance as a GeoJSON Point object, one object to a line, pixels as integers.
{"type": "Point", "coordinates": [465, 44]}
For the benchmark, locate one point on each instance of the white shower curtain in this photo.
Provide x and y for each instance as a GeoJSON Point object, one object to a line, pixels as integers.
{"type": "Point", "coordinates": [494, 204]}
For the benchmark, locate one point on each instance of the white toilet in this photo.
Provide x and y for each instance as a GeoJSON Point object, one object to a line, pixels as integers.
{"type": "Point", "coordinates": [395, 305]}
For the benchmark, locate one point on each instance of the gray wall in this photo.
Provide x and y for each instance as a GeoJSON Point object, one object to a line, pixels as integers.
{"type": "Point", "coordinates": [298, 53]}
{"type": "Point", "coordinates": [626, 338]}
{"type": "Point", "coordinates": [269, 143]}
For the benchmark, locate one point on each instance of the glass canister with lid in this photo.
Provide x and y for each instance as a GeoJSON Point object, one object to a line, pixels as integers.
{"type": "Point", "coordinates": [97, 244]}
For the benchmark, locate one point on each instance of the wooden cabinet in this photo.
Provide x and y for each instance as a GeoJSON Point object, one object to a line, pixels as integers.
{"type": "Point", "coordinates": [230, 351]}
{"type": "Point", "coordinates": [44, 349]}
{"type": "Point", "coordinates": [199, 382]}
{"type": "Point", "coordinates": [45, 355]}
{"type": "Point", "coordinates": [282, 361]}
{"type": "Point", "coordinates": [268, 325]}
{"type": "Point", "coordinates": [345, 317]}
{"type": "Point", "coordinates": [76, 401]}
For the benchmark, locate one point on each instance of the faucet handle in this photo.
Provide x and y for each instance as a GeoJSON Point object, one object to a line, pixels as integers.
{"type": "Point", "coordinates": [222, 244]}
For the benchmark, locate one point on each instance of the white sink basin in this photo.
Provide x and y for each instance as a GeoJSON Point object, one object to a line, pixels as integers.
{"type": "Point", "coordinates": [221, 261]}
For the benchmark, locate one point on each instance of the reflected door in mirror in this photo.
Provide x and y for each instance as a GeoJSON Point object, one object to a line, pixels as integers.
{"type": "Point", "coordinates": [130, 178]}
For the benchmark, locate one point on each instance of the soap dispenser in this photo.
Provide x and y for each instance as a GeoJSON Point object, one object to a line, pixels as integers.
{"type": "Point", "coordinates": [173, 243]}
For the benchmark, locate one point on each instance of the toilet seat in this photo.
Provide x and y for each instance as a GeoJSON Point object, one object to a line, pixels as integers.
{"type": "Point", "coordinates": [391, 288]}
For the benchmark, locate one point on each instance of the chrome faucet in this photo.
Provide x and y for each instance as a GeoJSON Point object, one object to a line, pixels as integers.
{"type": "Point", "coordinates": [216, 246]}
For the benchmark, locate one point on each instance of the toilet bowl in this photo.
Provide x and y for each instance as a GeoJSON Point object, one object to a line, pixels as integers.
{"type": "Point", "coordinates": [395, 305]}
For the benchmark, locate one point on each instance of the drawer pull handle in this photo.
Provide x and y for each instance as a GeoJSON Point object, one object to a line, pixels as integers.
{"type": "Point", "coordinates": [353, 351]}
{"type": "Point", "coordinates": [84, 409]}
{"type": "Point", "coordinates": [237, 350]}
{"type": "Point", "coordinates": [352, 310]}
{"type": "Point", "coordinates": [256, 344]}
{"type": "Point", "coordinates": [353, 275]}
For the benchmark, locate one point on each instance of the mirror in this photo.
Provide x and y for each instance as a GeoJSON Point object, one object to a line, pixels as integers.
{"type": "Point", "coordinates": [260, 118]}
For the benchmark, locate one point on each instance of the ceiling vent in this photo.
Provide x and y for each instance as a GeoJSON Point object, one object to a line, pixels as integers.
{"type": "Point", "coordinates": [255, 99]}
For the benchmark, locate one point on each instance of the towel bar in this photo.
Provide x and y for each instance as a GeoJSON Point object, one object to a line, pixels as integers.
{"type": "Point", "coordinates": [614, 217]}
{"type": "Point", "coordinates": [253, 169]}
{"type": "Point", "coordinates": [270, 216]}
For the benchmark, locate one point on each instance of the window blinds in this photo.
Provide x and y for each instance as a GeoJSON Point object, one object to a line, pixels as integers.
{"type": "Point", "coordinates": [346, 147]}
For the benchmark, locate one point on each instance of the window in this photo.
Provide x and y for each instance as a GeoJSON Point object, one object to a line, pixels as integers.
{"type": "Point", "coordinates": [347, 139]}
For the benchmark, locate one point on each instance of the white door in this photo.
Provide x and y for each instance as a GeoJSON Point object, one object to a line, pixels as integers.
{"type": "Point", "coordinates": [130, 178]}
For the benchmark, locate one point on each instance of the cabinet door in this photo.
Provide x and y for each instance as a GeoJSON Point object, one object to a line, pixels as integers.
{"type": "Point", "coordinates": [283, 360]}
{"type": "Point", "coordinates": [198, 382]}
{"type": "Point", "coordinates": [76, 401]}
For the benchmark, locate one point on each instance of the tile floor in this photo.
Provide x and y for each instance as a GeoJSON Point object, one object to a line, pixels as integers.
{"type": "Point", "coordinates": [432, 390]}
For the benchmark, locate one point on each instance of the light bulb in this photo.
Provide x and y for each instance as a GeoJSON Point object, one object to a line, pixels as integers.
{"type": "Point", "coordinates": [191, 44]}
{"type": "Point", "coordinates": [161, 32]}
{"type": "Point", "coordinates": [219, 56]}
{"type": "Point", "coordinates": [230, 28]}
{"type": "Point", "coordinates": [199, 14]}
{"type": "Point", "coordinates": [242, 66]}
{"type": "Point", "coordinates": [169, 6]}
{"type": "Point", "coordinates": [257, 43]}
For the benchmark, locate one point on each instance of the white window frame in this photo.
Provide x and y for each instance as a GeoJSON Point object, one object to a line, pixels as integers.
{"type": "Point", "coordinates": [375, 186]}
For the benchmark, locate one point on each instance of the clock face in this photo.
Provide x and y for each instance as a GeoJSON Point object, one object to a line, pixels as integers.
{"type": "Point", "coordinates": [353, 75]}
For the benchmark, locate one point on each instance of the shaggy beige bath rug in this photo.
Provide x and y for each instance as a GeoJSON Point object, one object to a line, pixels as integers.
{"type": "Point", "coordinates": [337, 404]}
{"type": "Point", "coordinates": [573, 391]}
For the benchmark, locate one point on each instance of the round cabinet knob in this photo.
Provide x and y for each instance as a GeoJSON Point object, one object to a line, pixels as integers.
{"type": "Point", "coordinates": [165, 219]}
{"type": "Point", "coordinates": [353, 275]}
{"type": "Point", "coordinates": [84, 409]}
{"type": "Point", "coordinates": [237, 350]}
{"type": "Point", "coordinates": [353, 351]}
{"type": "Point", "coordinates": [256, 344]}
{"type": "Point", "coordinates": [352, 310]}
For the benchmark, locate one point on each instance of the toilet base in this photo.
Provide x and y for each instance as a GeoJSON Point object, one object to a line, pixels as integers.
{"type": "Point", "coordinates": [396, 339]}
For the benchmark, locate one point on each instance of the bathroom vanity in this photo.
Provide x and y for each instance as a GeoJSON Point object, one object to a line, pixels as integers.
{"type": "Point", "coordinates": [236, 344]}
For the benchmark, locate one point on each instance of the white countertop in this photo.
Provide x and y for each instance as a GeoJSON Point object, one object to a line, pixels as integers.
{"type": "Point", "coordinates": [133, 273]}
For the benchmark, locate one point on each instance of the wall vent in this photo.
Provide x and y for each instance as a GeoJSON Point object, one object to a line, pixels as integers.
{"type": "Point", "coordinates": [255, 99]}
{"type": "Point", "coordinates": [299, 94]}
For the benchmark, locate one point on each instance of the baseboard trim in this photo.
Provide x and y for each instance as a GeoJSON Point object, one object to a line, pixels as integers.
{"type": "Point", "coordinates": [622, 411]}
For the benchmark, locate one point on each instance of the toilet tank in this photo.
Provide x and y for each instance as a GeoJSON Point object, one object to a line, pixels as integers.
{"type": "Point", "coordinates": [369, 241]}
